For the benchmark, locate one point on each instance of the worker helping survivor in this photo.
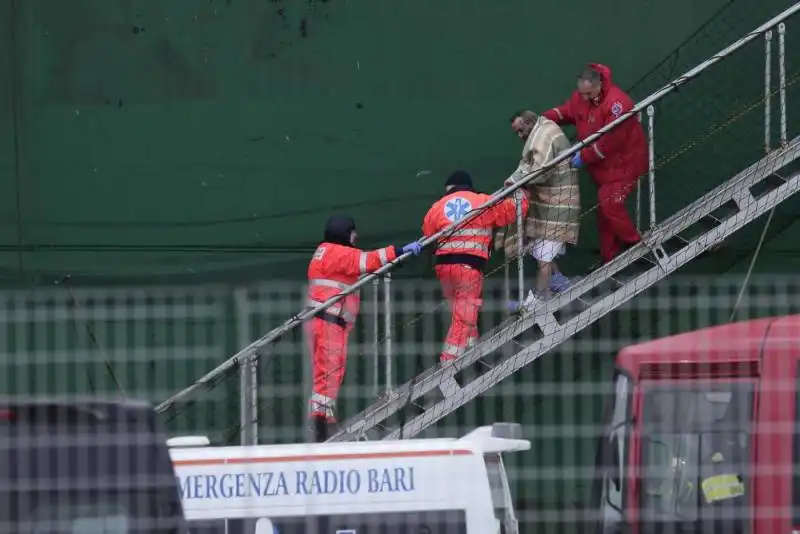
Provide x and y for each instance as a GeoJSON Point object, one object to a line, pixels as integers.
{"type": "Point", "coordinates": [337, 264]}
{"type": "Point", "coordinates": [615, 161]}
{"type": "Point", "coordinates": [461, 255]}
{"type": "Point", "coordinates": [553, 217]}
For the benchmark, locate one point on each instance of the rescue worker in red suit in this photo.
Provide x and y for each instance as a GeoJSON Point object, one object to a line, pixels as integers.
{"type": "Point", "coordinates": [337, 264]}
{"type": "Point", "coordinates": [615, 161]}
{"type": "Point", "coordinates": [460, 256]}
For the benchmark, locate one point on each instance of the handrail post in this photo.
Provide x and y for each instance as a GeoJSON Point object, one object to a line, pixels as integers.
{"type": "Point", "coordinates": [639, 194]}
{"type": "Point", "coordinates": [782, 82]}
{"type": "Point", "coordinates": [767, 91]}
{"type": "Point", "coordinates": [248, 373]}
{"type": "Point", "coordinates": [506, 280]}
{"type": "Point", "coordinates": [520, 246]}
{"type": "Point", "coordinates": [387, 328]}
{"type": "Point", "coordinates": [376, 348]}
{"type": "Point", "coordinates": [651, 186]}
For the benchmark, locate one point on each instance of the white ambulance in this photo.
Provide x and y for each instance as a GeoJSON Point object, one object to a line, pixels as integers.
{"type": "Point", "coordinates": [425, 486]}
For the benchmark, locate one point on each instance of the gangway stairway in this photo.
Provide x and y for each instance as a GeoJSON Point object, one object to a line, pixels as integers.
{"type": "Point", "coordinates": [408, 410]}
{"type": "Point", "coordinates": [671, 245]}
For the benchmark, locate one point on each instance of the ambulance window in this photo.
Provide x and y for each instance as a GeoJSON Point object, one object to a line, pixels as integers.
{"type": "Point", "coordinates": [421, 522]}
{"type": "Point", "coordinates": [208, 527]}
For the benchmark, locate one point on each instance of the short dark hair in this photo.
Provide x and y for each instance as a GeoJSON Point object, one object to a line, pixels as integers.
{"type": "Point", "coordinates": [524, 114]}
{"type": "Point", "coordinates": [590, 75]}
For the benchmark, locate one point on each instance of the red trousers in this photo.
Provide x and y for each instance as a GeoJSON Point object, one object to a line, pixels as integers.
{"type": "Point", "coordinates": [614, 225]}
{"type": "Point", "coordinates": [462, 287]}
{"type": "Point", "coordinates": [328, 343]}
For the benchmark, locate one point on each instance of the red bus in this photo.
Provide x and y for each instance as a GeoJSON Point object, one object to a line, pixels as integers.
{"type": "Point", "coordinates": [700, 435]}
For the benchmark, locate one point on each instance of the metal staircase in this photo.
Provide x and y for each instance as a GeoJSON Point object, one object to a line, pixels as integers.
{"type": "Point", "coordinates": [408, 410]}
{"type": "Point", "coordinates": [673, 244]}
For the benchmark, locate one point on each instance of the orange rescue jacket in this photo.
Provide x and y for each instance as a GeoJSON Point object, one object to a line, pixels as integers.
{"type": "Point", "coordinates": [333, 268]}
{"type": "Point", "coordinates": [471, 243]}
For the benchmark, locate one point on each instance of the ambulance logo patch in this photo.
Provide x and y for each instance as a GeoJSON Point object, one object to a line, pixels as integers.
{"type": "Point", "coordinates": [456, 209]}
{"type": "Point", "coordinates": [616, 109]}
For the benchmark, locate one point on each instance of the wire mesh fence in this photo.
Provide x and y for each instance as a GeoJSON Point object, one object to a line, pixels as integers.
{"type": "Point", "coordinates": [146, 342]}
{"type": "Point", "coordinates": [722, 154]}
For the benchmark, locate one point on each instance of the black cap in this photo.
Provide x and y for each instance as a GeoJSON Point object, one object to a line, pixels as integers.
{"type": "Point", "coordinates": [459, 179]}
{"type": "Point", "coordinates": [338, 229]}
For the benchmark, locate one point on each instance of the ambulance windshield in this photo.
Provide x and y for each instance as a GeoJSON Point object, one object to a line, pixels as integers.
{"type": "Point", "coordinates": [695, 443]}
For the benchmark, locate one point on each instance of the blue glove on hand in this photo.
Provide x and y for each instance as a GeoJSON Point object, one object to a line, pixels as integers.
{"type": "Point", "coordinates": [415, 248]}
{"type": "Point", "coordinates": [576, 161]}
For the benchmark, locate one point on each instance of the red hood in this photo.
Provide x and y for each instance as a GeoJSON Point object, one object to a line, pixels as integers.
{"type": "Point", "coordinates": [604, 71]}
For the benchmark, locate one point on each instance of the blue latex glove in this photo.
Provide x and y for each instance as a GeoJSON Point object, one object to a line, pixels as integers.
{"type": "Point", "coordinates": [512, 306]}
{"type": "Point", "coordinates": [415, 248]}
{"type": "Point", "coordinates": [576, 161]}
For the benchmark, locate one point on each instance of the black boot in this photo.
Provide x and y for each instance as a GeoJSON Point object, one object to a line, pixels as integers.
{"type": "Point", "coordinates": [319, 429]}
{"type": "Point", "coordinates": [332, 427]}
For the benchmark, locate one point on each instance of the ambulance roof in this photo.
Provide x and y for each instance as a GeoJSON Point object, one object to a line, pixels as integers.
{"type": "Point", "coordinates": [482, 440]}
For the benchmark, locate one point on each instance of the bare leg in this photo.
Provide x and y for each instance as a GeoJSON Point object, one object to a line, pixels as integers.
{"type": "Point", "coordinates": [543, 278]}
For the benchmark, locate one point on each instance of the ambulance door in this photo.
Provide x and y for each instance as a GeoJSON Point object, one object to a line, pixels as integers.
{"type": "Point", "coordinates": [501, 494]}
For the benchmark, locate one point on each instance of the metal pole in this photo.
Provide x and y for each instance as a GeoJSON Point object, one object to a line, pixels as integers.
{"type": "Point", "coordinates": [520, 246]}
{"type": "Point", "coordinates": [248, 373]}
{"type": "Point", "coordinates": [376, 348]}
{"type": "Point", "coordinates": [782, 74]}
{"type": "Point", "coordinates": [639, 195]}
{"type": "Point", "coordinates": [497, 197]}
{"type": "Point", "coordinates": [387, 328]}
{"type": "Point", "coordinates": [506, 279]}
{"type": "Point", "coordinates": [651, 185]}
{"type": "Point", "coordinates": [767, 90]}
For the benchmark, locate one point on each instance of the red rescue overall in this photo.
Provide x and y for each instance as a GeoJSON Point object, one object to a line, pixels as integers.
{"type": "Point", "coordinates": [461, 256]}
{"type": "Point", "coordinates": [336, 265]}
{"type": "Point", "coordinates": [615, 161]}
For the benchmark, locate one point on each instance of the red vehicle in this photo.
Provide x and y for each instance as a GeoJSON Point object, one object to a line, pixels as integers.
{"type": "Point", "coordinates": [700, 436]}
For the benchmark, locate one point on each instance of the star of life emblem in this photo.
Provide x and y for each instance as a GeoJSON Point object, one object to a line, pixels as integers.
{"type": "Point", "coordinates": [456, 209]}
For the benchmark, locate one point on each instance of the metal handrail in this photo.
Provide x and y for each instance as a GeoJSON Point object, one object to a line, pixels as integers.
{"type": "Point", "coordinates": [250, 351]}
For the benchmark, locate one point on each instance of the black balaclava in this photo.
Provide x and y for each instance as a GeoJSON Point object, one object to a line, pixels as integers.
{"type": "Point", "coordinates": [461, 181]}
{"type": "Point", "coordinates": [338, 229]}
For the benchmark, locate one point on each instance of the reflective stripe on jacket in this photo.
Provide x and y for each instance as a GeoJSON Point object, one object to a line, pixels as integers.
{"type": "Point", "coordinates": [335, 267]}
{"type": "Point", "coordinates": [475, 237]}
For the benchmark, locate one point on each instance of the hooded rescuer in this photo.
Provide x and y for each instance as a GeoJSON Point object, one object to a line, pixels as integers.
{"type": "Point", "coordinates": [615, 161]}
{"type": "Point", "coordinates": [336, 265]}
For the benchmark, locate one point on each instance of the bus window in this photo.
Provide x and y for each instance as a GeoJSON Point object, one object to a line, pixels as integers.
{"type": "Point", "coordinates": [695, 454]}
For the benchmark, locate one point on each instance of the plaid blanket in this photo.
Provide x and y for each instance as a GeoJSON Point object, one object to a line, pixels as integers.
{"type": "Point", "coordinates": [555, 207]}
